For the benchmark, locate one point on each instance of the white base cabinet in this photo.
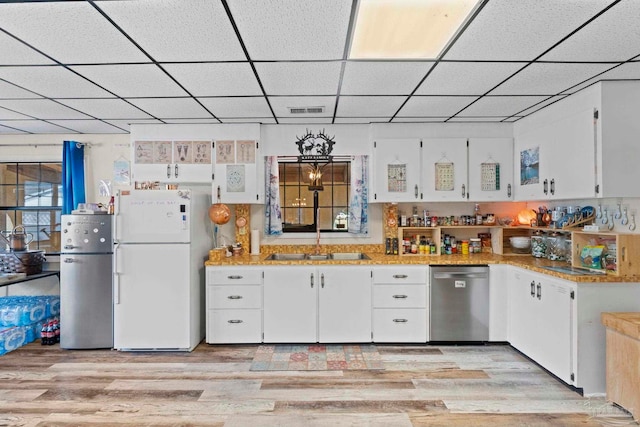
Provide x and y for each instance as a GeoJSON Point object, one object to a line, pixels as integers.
{"type": "Point", "coordinates": [400, 304]}
{"type": "Point", "coordinates": [556, 323]}
{"type": "Point", "coordinates": [317, 304]}
{"type": "Point", "coordinates": [234, 305]}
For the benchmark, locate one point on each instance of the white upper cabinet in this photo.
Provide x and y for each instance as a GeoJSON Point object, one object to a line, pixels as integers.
{"type": "Point", "coordinates": [238, 171]}
{"type": "Point", "coordinates": [396, 170]}
{"type": "Point", "coordinates": [444, 167]}
{"type": "Point", "coordinates": [490, 169]}
{"type": "Point", "coordinates": [168, 160]}
{"type": "Point", "coordinates": [582, 146]}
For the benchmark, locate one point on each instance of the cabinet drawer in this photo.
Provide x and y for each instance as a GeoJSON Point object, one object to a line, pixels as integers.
{"type": "Point", "coordinates": [234, 326]}
{"type": "Point", "coordinates": [399, 275]}
{"type": "Point", "coordinates": [234, 277]}
{"type": "Point", "coordinates": [400, 325]}
{"type": "Point", "coordinates": [238, 296]}
{"type": "Point", "coordinates": [400, 296]}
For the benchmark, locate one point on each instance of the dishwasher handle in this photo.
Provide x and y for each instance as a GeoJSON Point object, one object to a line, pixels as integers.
{"type": "Point", "coordinates": [460, 275]}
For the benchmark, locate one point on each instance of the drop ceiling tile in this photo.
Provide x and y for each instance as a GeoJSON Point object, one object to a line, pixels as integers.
{"type": "Point", "coordinates": [194, 121]}
{"type": "Point", "coordinates": [628, 71]}
{"type": "Point", "coordinates": [548, 79]}
{"type": "Point", "coordinates": [299, 78]}
{"type": "Point", "coordinates": [52, 82]}
{"type": "Point", "coordinates": [281, 105]}
{"type": "Point", "coordinates": [301, 120]}
{"type": "Point", "coordinates": [36, 126]}
{"type": "Point", "coordinates": [521, 30]}
{"type": "Point", "coordinates": [6, 130]}
{"type": "Point", "coordinates": [172, 108]}
{"type": "Point", "coordinates": [42, 109]}
{"type": "Point", "coordinates": [132, 80]}
{"type": "Point", "coordinates": [466, 78]}
{"type": "Point", "coordinates": [125, 124]}
{"type": "Point", "coordinates": [106, 108]}
{"type": "Point", "coordinates": [262, 120]}
{"type": "Point", "coordinates": [419, 119]}
{"type": "Point", "coordinates": [501, 105]}
{"type": "Point", "coordinates": [463, 119]}
{"type": "Point", "coordinates": [349, 120]}
{"type": "Point", "coordinates": [15, 52]}
{"type": "Point", "coordinates": [613, 36]}
{"type": "Point", "coordinates": [540, 105]}
{"type": "Point", "coordinates": [10, 115]}
{"type": "Point", "coordinates": [174, 30]}
{"type": "Point", "coordinates": [369, 106]}
{"type": "Point", "coordinates": [293, 29]}
{"type": "Point", "coordinates": [88, 126]}
{"type": "Point", "coordinates": [434, 106]}
{"type": "Point", "coordinates": [216, 79]}
{"type": "Point", "coordinates": [382, 78]}
{"type": "Point", "coordinates": [237, 107]}
{"type": "Point", "coordinates": [11, 91]}
{"type": "Point", "coordinates": [68, 31]}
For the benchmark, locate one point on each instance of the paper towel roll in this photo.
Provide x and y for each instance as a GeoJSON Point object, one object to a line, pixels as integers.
{"type": "Point", "coordinates": [255, 242]}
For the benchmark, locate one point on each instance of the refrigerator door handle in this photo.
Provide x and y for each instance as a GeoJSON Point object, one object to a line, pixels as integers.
{"type": "Point", "coordinates": [116, 288]}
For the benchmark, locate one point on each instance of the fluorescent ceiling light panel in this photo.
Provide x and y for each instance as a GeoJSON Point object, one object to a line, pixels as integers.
{"type": "Point", "coordinates": [407, 29]}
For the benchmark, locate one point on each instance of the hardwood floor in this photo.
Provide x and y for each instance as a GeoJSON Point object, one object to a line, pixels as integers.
{"type": "Point", "coordinates": [489, 385]}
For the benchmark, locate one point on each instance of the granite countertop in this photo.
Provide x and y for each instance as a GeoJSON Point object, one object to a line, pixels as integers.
{"type": "Point", "coordinates": [625, 323]}
{"type": "Point", "coordinates": [377, 258]}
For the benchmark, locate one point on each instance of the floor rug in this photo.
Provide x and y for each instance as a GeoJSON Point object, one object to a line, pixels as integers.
{"type": "Point", "coordinates": [316, 357]}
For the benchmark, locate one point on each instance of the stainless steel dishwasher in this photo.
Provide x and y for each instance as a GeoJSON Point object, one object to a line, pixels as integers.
{"type": "Point", "coordinates": [459, 303]}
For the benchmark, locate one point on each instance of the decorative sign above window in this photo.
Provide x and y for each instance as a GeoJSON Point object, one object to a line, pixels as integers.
{"type": "Point", "coordinates": [315, 147]}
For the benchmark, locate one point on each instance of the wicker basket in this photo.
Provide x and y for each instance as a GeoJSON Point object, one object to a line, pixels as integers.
{"type": "Point", "coordinates": [29, 262]}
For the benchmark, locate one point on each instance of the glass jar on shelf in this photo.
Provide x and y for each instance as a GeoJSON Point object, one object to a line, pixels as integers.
{"type": "Point", "coordinates": [538, 245]}
{"type": "Point", "coordinates": [556, 247]}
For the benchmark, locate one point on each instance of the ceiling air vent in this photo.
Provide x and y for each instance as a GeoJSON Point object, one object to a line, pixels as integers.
{"type": "Point", "coordinates": [306, 110]}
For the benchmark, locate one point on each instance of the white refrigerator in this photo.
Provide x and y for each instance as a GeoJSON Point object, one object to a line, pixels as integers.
{"type": "Point", "coordinates": [161, 240]}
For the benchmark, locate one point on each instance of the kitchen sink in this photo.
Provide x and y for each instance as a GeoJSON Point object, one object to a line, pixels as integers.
{"type": "Point", "coordinates": [349, 256]}
{"type": "Point", "coordinates": [285, 257]}
{"type": "Point", "coordinates": [318, 257]}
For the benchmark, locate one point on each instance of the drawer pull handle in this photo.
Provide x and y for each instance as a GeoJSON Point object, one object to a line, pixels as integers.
{"type": "Point", "coordinates": [234, 297]}
{"type": "Point", "coordinates": [400, 276]}
{"type": "Point", "coordinates": [400, 320]}
{"type": "Point", "coordinates": [235, 321]}
{"type": "Point", "coordinates": [399, 296]}
{"type": "Point", "coordinates": [234, 277]}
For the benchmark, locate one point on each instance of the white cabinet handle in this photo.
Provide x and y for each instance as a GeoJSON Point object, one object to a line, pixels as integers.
{"type": "Point", "coordinates": [311, 278]}
{"type": "Point", "coordinates": [400, 296]}
{"type": "Point", "coordinates": [400, 320]}
{"type": "Point", "coordinates": [533, 289]}
{"type": "Point", "coordinates": [234, 277]}
{"type": "Point", "coordinates": [168, 171]}
{"type": "Point", "coordinates": [539, 291]}
{"type": "Point", "coordinates": [464, 191]}
{"type": "Point", "coordinates": [400, 276]}
{"type": "Point", "coordinates": [234, 321]}
{"type": "Point", "coordinates": [416, 190]}
{"type": "Point", "coordinates": [234, 297]}
{"type": "Point", "coordinates": [322, 280]}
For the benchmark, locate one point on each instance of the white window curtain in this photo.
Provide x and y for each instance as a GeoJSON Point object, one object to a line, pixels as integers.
{"type": "Point", "coordinates": [358, 203]}
{"type": "Point", "coordinates": [272, 212]}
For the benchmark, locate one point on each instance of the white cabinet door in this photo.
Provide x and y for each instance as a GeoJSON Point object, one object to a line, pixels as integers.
{"type": "Point", "coordinates": [571, 158]}
{"type": "Point", "coordinates": [553, 324]}
{"type": "Point", "coordinates": [396, 170]}
{"type": "Point", "coordinates": [345, 304]}
{"type": "Point", "coordinates": [522, 291]}
{"type": "Point", "coordinates": [499, 283]}
{"type": "Point", "coordinates": [444, 165]}
{"type": "Point", "coordinates": [290, 304]}
{"type": "Point", "coordinates": [490, 169]}
{"type": "Point", "coordinates": [241, 176]}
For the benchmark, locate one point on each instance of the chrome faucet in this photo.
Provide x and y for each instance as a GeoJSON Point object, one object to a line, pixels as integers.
{"type": "Point", "coordinates": [317, 240]}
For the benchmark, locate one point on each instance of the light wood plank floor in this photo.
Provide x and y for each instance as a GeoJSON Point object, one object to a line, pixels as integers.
{"type": "Point", "coordinates": [489, 385]}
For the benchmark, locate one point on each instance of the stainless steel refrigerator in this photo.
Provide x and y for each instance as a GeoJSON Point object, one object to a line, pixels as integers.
{"type": "Point", "coordinates": [86, 282]}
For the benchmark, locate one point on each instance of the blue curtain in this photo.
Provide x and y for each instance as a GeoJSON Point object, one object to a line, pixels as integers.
{"type": "Point", "coordinates": [73, 191]}
{"type": "Point", "coordinates": [359, 204]}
